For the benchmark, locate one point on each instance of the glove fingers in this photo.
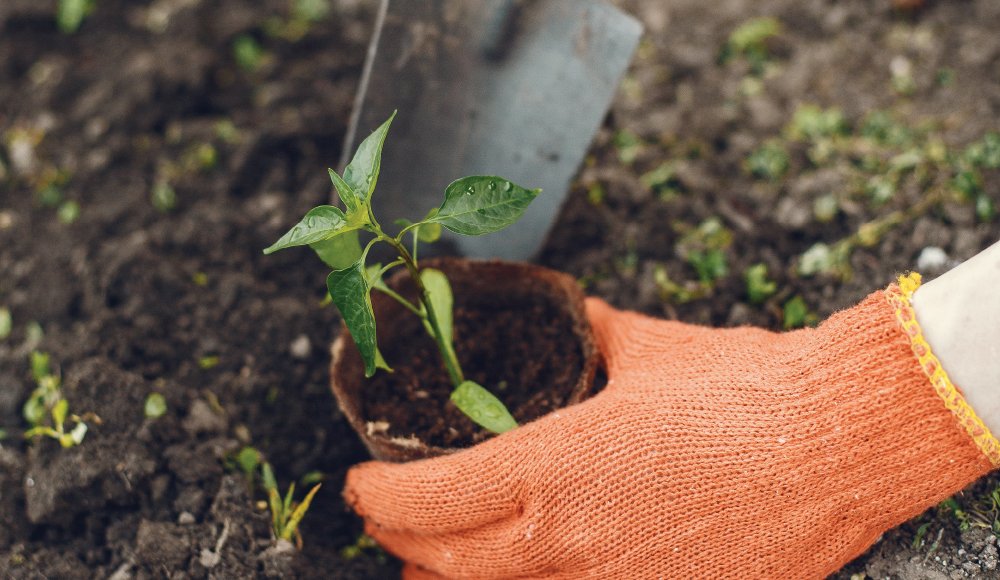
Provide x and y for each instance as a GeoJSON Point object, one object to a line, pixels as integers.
{"type": "Point", "coordinates": [437, 495]}
{"type": "Point", "coordinates": [495, 550]}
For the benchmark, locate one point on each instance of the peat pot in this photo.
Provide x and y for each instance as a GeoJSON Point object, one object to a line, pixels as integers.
{"type": "Point", "coordinates": [519, 330]}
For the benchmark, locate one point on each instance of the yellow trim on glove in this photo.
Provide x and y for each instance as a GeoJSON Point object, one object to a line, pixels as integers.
{"type": "Point", "coordinates": [899, 297]}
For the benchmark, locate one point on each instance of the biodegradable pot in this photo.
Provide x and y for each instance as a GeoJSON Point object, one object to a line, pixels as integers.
{"type": "Point", "coordinates": [519, 330]}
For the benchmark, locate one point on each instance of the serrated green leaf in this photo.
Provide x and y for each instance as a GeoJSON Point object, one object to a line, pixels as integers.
{"type": "Point", "coordinates": [361, 173]}
{"type": "Point", "coordinates": [340, 251]}
{"type": "Point", "coordinates": [439, 291]}
{"type": "Point", "coordinates": [350, 292]}
{"type": "Point", "coordinates": [352, 199]}
{"type": "Point", "coordinates": [482, 204]}
{"type": "Point", "coordinates": [320, 223]}
{"type": "Point", "coordinates": [482, 407]}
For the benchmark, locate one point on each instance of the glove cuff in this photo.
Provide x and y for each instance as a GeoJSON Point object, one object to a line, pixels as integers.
{"type": "Point", "coordinates": [899, 297]}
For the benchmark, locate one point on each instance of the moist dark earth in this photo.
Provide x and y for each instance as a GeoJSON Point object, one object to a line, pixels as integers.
{"type": "Point", "coordinates": [148, 157]}
{"type": "Point", "coordinates": [510, 333]}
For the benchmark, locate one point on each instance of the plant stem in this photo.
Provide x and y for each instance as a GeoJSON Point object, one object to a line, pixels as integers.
{"type": "Point", "coordinates": [446, 349]}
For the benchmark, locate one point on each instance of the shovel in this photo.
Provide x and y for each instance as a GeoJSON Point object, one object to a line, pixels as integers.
{"type": "Point", "coordinates": [514, 88]}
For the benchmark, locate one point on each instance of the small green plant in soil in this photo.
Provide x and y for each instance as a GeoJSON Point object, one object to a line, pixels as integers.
{"type": "Point", "coordinates": [704, 248]}
{"type": "Point", "coordinates": [6, 323]}
{"type": "Point", "coordinates": [770, 161]}
{"type": "Point", "coordinates": [70, 14]}
{"type": "Point", "coordinates": [750, 40]}
{"type": "Point", "coordinates": [759, 287]}
{"type": "Point", "coordinates": [364, 544]}
{"type": "Point", "coordinates": [797, 314]}
{"type": "Point", "coordinates": [58, 431]}
{"type": "Point", "coordinates": [286, 514]}
{"type": "Point", "coordinates": [472, 206]}
{"type": "Point", "coordinates": [47, 402]}
{"type": "Point", "coordinates": [155, 406]}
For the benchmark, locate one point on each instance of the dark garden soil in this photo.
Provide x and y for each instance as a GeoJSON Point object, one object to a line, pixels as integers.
{"type": "Point", "coordinates": [506, 342]}
{"type": "Point", "coordinates": [146, 159]}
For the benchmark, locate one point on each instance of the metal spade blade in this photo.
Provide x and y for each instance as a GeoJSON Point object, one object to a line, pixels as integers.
{"type": "Point", "coordinates": [514, 88]}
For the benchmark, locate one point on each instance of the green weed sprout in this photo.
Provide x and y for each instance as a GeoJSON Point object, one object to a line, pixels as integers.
{"type": "Point", "coordinates": [750, 39]}
{"type": "Point", "coordinates": [70, 14]}
{"type": "Point", "coordinates": [47, 400]}
{"type": "Point", "coordinates": [473, 206]}
{"type": "Point", "coordinates": [58, 431]}
{"type": "Point", "coordinates": [759, 287]}
{"type": "Point", "coordinates": [285, 514]}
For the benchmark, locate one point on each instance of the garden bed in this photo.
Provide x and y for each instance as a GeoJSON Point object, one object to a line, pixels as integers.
{"type": "Point", "coordinates": [148, 157]}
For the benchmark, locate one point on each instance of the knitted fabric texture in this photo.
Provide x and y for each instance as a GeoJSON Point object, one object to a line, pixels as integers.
{"type": "Point", "coordinates": [735, 453]}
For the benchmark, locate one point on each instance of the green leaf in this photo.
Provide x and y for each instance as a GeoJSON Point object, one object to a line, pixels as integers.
{"type": "Point", "coordinates": [274, 501]}
{"type": "Point", "coordinates": [439, 291]}
{"type": "Point", "coordinates": [77, 434]}
{"type": "Point", "coordinates": [39, 365]}
{"type": "Point", "coordinates": [320, 223]}
{"type": "Point", "coordinates": [287, 505]}
{"type": "Point", "coordinates": [797, 313]}
{"type": "Point", "coordinates": [34, 409]}
{"type": "Point", "coordinates": [482, 407]}
{"type": "Point", "coordinates": [59, 412]}
{"type": "Point", "coordinates": [43, 430]}
{"type": "Point", "coordinates": [429, 233]}
{"type": "Point", "coordinates": [267, 477]}
{"type": "Point", "coordinates": [480, 204]}
{"type": "Point", "coordinates": [340, 251]}
{"type": "Point", "coordinates": [155, 407]}
{"type": "Point", "coordinates": [6, 323]}
{"type": "Point", "coordinates": [248, 459]}
{"type": "Point", "coordinates": [759, 287]}
{"type": "Point", "coordinates": [373, 274]}
{"type": "Point", "coordinates": [350, 292]}
{"type": "Point", "coordinates": [353, 200]}
{"type": "Point", "coordinates": [70, 14]}
{"type": "Point", "coordinates": [299, 513]}
{"type": "Point", "coordinates": [361, 173]}
{"type": "Point", "coordinates": [426, 232]}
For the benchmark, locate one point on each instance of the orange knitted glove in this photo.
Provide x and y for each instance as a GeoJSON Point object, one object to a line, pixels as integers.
{"type": "Point", "coordinates": [737, 453]}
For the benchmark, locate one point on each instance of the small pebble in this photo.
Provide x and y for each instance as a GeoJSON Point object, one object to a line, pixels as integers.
{"type": "Point", "coordinates": [301, 347]}
{"type": "Point", "coordinates": [186, 519]}
{"type": "Point", "coordinates": [932, 260]}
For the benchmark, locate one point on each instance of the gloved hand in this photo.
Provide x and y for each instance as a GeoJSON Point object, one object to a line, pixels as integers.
{"type": "Point", "coordinates": [736, 453]}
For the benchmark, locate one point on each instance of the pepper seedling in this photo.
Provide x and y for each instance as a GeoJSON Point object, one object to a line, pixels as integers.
{"type": "Point", "coordinates": [472, 206]}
